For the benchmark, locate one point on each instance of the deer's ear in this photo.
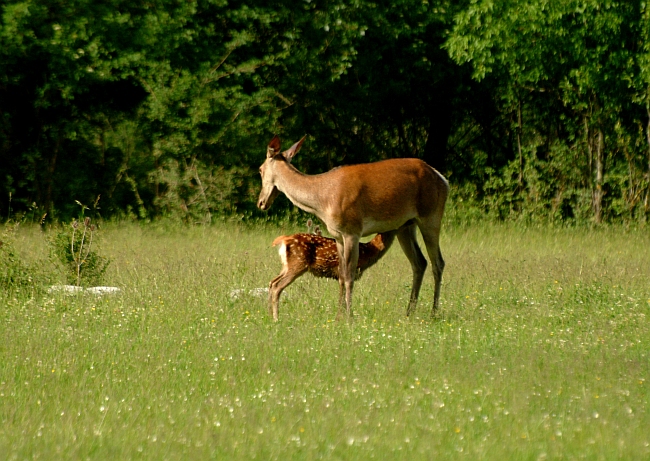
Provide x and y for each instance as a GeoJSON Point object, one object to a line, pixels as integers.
{"type": "Point", "coordinates": [293, 150]}
{"type": "Point", "coordinates": [273, 147]}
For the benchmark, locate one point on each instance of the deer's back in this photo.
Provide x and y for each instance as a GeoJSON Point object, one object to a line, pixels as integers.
{"type": "Point", "coordinates": [382, 196]}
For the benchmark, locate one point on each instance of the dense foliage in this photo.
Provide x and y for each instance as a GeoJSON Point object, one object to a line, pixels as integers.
{"type": "Point", "coordinates": [533, 110]}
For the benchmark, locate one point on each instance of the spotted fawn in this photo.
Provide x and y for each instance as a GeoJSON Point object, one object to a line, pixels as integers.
{"type": "Point", "coordinates": [317, 255]}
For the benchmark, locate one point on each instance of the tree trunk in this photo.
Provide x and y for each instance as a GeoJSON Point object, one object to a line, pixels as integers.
{"type": "Point", "coordinates": [48, 201]}
{"type": "Point", "coordinates": [600, 169]}
{"type": "Point", "coordinates": [646, 202]}
{"type": "Point", "coordinates": [590, 153]}
{"type": "Point", "coordinates": [521, 156]}
{"type": "Point", "coordinates": [435, 149]}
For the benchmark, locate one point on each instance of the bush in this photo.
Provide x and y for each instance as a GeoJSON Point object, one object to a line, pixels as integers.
{"type": "Point", "coordinates": [72, 250]}
{"type": "Point", "coordinates": [14, 272]}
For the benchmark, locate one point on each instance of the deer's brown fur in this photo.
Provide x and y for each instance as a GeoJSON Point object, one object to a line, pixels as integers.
{"type": "Point", "coordinates": [358, 200]}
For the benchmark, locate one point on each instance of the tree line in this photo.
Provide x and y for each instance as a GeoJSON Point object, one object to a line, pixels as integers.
{"type": "Point", "coordinates": [533, 110]}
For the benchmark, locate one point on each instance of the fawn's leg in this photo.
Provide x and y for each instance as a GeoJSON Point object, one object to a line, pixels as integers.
{"type": "Point", "coordinates": [278, 284]}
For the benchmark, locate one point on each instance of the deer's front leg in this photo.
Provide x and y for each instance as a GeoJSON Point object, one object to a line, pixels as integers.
{"type": "Point", "coordinates": [348, 259]}
{"type": "Point", "coordinates": [339, 251]}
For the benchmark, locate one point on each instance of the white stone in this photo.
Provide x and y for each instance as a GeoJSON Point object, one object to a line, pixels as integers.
{"type": "Point", "coordinates": [102, 290]}
{"type": "Point", "coordinates": [71, 289]}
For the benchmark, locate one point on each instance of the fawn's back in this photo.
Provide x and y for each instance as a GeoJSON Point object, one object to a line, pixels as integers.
{"type": "Point", "coordinates": [318, 255]}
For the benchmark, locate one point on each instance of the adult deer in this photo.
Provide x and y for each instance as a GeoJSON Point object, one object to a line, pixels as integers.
{"type": "Point", "coordinates": [358, 200]}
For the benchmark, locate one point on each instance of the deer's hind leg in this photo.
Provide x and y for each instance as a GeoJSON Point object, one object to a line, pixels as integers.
{"type": "Point", "coordinates": [286, 278]}
{"type": "Point", "coordinates": [272, 295]}
{"type": "Point", "coordinates": [408, 241]}
{"type": "Point", "coordinates": [430, 230]}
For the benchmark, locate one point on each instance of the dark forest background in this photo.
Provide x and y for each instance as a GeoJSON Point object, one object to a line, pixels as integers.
{"type": "Point", "coordinates": [533, 110]}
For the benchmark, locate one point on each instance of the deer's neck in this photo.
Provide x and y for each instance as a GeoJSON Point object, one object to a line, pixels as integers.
{"type": "Point", "coordinates": [303, 190]}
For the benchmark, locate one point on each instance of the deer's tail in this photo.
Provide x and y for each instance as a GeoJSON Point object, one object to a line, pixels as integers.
{"type": "Point", "coordinates": [278, 240]}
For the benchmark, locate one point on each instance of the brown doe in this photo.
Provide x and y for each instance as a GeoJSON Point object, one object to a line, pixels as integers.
{"type": "Point", "coordinates": [358, 200]}
{"type": "Point", "coordinates": [301, 253]}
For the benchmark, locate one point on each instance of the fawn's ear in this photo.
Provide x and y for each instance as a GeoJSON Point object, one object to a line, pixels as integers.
{"type": "Point", "coordinates": [274, 147]}
{"type": "Point", "coordinates": [293, 150]}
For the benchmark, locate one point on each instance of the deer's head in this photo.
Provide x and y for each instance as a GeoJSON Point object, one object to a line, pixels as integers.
{"type": "Point", "coordinates": [269, 173]}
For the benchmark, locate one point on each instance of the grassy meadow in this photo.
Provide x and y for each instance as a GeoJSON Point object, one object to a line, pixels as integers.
{"type": "Point", "coordinates": [540, 350]}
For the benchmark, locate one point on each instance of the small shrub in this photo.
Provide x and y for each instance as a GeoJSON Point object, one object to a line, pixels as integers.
{"type": "Point", "coordinates": [72, 249]}
{"type": "Point", "coordinates": [197, 193]}
{"type": "Point", "coordinates": [14, 272]}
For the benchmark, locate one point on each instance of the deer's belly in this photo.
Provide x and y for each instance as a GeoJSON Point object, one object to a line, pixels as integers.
{"type": "Point", "coordinates": [373, 226]}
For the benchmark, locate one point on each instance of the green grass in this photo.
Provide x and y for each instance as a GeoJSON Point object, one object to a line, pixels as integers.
{"type": "Point", "coordinates": [540, 350]}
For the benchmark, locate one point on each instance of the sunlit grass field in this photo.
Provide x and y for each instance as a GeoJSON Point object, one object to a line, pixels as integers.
{"type": "Point", "coordinates": [540, 350]}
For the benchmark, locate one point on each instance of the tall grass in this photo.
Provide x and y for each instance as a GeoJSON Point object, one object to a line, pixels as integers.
{"type": "Point", "coordinates": [539, 351]}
